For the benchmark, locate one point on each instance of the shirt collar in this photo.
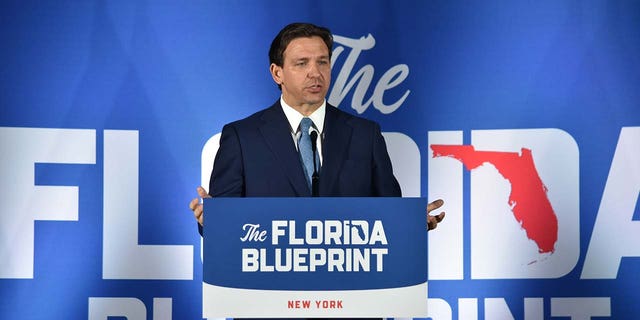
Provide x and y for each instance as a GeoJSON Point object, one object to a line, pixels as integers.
{"type": "Point", "coordinates": [294, 117]}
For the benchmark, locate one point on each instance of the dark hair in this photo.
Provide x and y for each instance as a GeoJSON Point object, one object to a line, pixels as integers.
{"type": "Point", "coordinates": [294, 31]}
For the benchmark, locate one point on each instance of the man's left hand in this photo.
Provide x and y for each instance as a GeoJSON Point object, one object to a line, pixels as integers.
{"type": "Point", "coordinates": [432, 221]}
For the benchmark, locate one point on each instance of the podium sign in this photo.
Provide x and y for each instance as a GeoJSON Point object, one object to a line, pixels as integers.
{"type": "Point", "coordinates": [315, 257]}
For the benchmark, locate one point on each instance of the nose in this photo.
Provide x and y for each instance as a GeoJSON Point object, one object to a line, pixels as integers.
{"type": "Point", "coordinates": [314, 70]}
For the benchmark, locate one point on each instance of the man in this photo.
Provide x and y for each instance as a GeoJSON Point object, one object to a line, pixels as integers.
{"type": "Point", "coordinates": [259, 155]}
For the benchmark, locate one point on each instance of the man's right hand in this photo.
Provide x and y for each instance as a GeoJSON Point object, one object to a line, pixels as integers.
{"type": "Point", "coordinates": [196, 205]}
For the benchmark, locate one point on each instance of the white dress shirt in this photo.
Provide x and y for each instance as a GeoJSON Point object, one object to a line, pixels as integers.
{"type": "Point", "coordinates": [294, 117]}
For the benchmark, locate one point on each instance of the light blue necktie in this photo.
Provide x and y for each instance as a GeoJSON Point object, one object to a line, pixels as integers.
{"type": "Point", "coordinates": [305, 149]}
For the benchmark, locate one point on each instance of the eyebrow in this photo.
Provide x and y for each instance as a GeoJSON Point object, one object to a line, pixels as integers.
{"type": "Point", "coordinates": [309, 58]}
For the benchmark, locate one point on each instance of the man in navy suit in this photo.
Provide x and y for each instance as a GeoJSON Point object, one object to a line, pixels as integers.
{"type": "Point", "coordinates": [258, 155]}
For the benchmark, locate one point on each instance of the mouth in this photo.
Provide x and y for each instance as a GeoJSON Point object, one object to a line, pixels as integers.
{"type": "Point", "coordinates": [315, 88]}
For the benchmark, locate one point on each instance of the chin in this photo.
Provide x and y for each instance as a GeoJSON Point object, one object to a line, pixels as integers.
{"type": "Point", "coordinates": [316, 98]}
{"type": "Point", "coordinates": [315, 102]}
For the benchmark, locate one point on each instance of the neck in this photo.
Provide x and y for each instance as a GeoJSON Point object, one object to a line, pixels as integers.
{"type": "Point", "coordinates": [306, 109]}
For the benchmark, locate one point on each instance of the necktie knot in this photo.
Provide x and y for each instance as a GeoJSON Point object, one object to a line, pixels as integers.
{"type": "Point", "coordinates": [305, 125]}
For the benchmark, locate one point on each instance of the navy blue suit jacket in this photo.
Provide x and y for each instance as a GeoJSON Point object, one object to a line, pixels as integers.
{"type": "Point", "coordinates": [258, 158]}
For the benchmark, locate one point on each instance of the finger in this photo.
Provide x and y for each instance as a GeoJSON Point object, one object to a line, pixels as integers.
{"type": "Point", "coordinates": [432, 223]}
{"type": "Point", "coordinates": [198, 213]}
{"type": "Point", "coordinates": [435, 205]}
{"type": "Point", "coordinates": [203, 193]}
{"type": "Point", "coordinates": [194, 203]}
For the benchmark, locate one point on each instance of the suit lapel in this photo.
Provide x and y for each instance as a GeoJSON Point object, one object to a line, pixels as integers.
{"type": "Point", "coordinates": [276, 132]}
{"type": "Point", "coordinates": [334, 147]}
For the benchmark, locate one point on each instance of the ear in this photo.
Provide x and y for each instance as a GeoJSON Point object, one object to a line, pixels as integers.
{"type": "Point", "coordinates": [276, 73]}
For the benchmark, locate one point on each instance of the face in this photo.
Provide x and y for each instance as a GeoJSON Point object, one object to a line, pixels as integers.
{"type": "Point", "coordinates": [305, 74]}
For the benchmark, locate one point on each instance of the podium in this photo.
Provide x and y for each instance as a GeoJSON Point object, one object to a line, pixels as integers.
{"type": "Point", "coordinates": [315, 257]}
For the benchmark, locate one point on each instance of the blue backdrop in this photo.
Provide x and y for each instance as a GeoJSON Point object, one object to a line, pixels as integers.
{"type": "Point", "coordinates": [151, 81]}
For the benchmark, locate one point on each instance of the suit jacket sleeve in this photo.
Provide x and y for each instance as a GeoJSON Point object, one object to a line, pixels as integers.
{"type": "Point", "coordinates": [384, 183]}
{"type": "Point", "coordinates": [227, 176]}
